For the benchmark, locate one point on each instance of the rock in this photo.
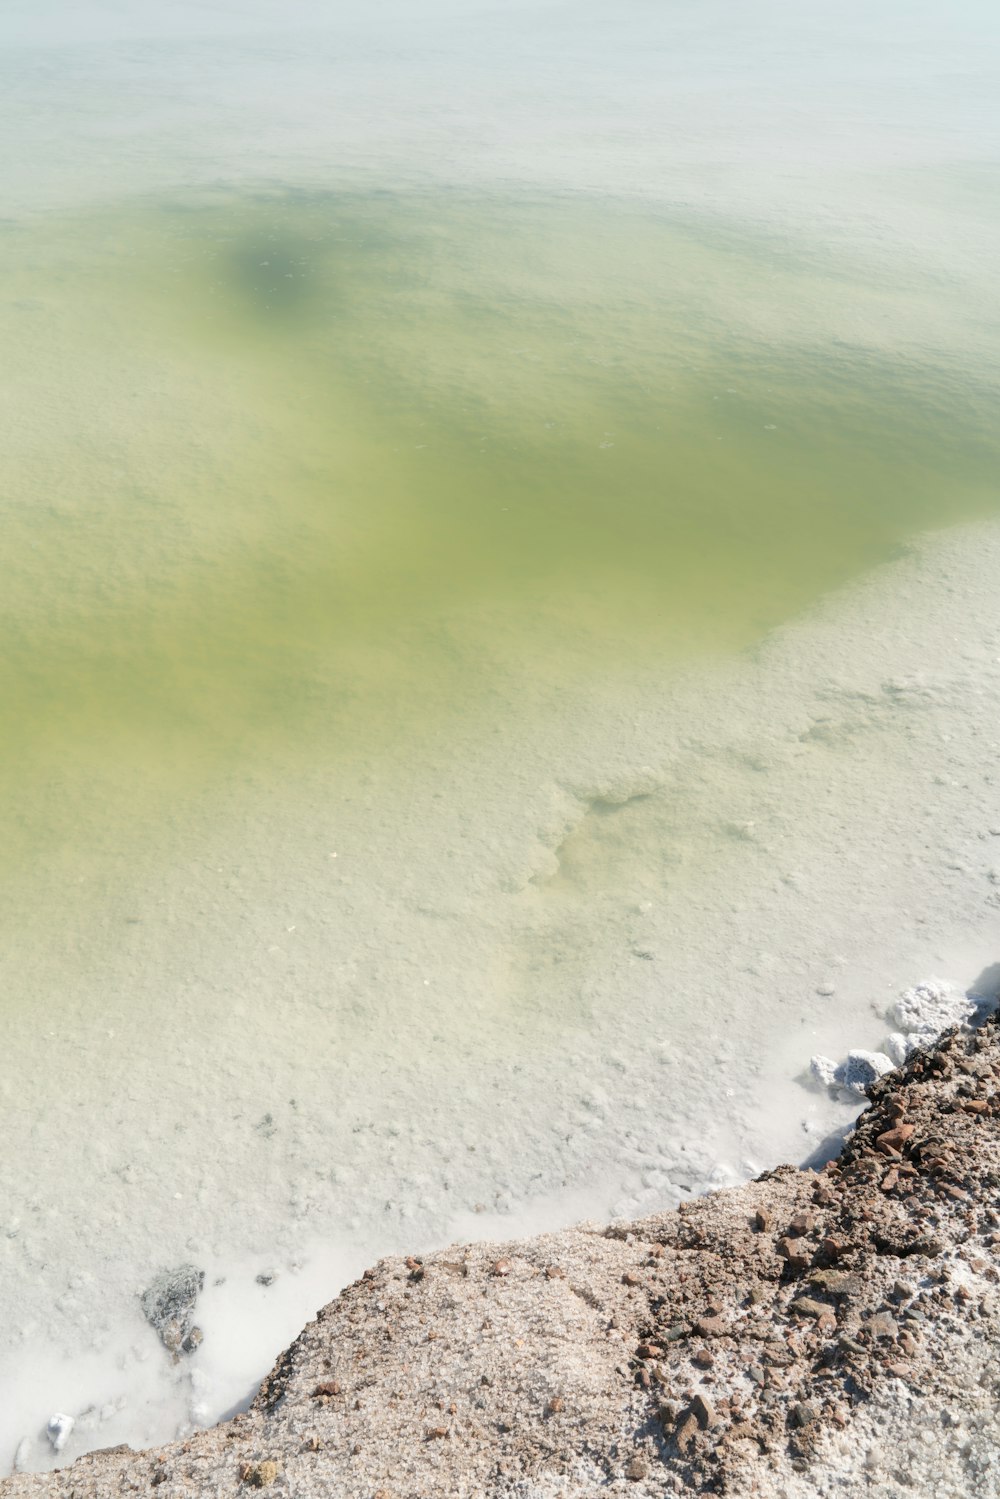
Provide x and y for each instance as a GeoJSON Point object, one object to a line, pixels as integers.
{"type": "Point", "coordinates": [861, 1069]}
{"type": "Point", "coordinates": [637, 1468]}
{"type": "Point", "coordinates": [893, 1140]}
{"type": "Point", "coordinates": [805, 1306]}
{"type": "Point", "coordinates": [703, 1411]}
{"type": "Point", "coordinates": [168, 1305]}
{"type": "Point", "coordinates": [711, 1327]}
{"type": "Point", "coordinates": [837, 1282]}
{"type": "Point", "coordinates": [58, 1430]}
{"type": "Point", "coordinates": [259, 1475]}
{"type": "Point", "coordinates": [796, 1252]}
{"type": "Point", "coordinates": [883, 1325]}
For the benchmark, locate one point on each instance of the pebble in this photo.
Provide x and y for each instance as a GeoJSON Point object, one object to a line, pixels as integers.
{"type": "Point", "coordinates": [883, 1325]}
{"type": "Point", "coordinates": [703, 1411]}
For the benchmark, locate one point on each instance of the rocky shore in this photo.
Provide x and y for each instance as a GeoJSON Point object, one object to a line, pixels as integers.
{"type": "Point", "coordinates": [810, 1333]}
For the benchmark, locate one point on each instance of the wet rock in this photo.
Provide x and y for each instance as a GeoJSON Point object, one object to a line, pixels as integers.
{"type": "Point", "coordinates": [168, 1306]}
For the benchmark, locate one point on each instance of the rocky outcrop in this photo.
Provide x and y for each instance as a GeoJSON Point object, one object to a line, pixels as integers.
{"type": "Point", "coordinates": [807, 1334]}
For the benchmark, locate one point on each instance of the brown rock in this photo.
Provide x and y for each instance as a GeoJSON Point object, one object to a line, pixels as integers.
{"type": "Point", "coordinates": [259, 1475]}
{"type": "Point", "coordinates": [703, 1410]}
{"type": "Point", "coordinates": [711, 1327]}
{"type": "Point", "coordinates": [795, 1252]}
{"type": "Point", "coordinates": [892, 1140]}
{"type": "Point", "coordinates": [805, 1306]}
{"type": "Point", "coordinates": [686, 1433]}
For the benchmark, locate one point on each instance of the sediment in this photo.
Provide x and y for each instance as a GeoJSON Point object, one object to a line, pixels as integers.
{"type": "Point", "coordinates": [811, 1333]}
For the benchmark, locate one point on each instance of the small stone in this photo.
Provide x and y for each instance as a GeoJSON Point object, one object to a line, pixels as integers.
{"type": "Point", "coordinates": [501, 1268]}
{"type": "Point", "coordinates": [892, 1140]}
{"type": "Point", "coordinates": [711, 1327]}
{"type": "Point", "coordinates": [883, 1325]}
{"type": "Point", "coordinates": [703, 1410]}
{"type": "Point", "coordinates": [763, 1220]}
{"type": "Point", "coordinates": [435, 1433]}
{"type": "Point", "coordinates": [168, 1305]}
{"type": "Point", "coordinates": [803, 1413]}
{"type": "Point", "coordinates": [259, 1475]}
{"type": "Point", "coordinates": [795, 1252]}
{"type": "Point", "coordinates": [837, 1282]}
{"type": "Point", "coordinates": [686, 1433]}
{"type": "Point", "coordinates": [637, 1468]}
{"type": "Point", "coordinates": [629, 1279]}
{"type": "Point", "coordinates": [703, 1359]}
{"type": "Point", "coordinates": [805, 1306]}
{"type": "Point", "coordinates": [553, 1272]}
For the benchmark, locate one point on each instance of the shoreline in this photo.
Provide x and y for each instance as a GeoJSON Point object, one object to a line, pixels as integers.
{"type": "Point", "coordinates": [652, 973]}
{"type": "Point", "coordinates": [808, 1333]}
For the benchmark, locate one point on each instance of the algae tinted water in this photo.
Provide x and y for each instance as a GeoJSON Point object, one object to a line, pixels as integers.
{"type": "Point", "coordinates": [294, 469]}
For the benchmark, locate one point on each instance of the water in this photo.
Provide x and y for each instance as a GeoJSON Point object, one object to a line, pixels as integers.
{"type": "Point", "coordinates": [415, 425]}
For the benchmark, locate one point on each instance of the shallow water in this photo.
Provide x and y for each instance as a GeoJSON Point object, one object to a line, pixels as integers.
{"type": "Point", "coordinates": [417, 810]}
{"type": "Point", "coordinates": [272, 450]}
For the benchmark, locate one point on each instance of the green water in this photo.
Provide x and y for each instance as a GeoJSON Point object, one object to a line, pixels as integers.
{"type": "Point", "coordinates": [286, 474]}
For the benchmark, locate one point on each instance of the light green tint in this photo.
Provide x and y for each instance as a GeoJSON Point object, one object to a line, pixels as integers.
{"type": "Point", "coordinates": [288, 473]}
